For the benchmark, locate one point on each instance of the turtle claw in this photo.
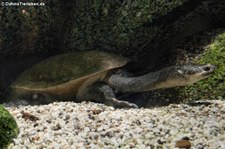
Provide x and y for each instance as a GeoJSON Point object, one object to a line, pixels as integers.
{"type": "Point", "coordinates": [121, 104]}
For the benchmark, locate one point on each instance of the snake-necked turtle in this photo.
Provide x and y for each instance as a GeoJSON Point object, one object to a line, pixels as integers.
{"type": "Point", "coordinates": [90, 76]}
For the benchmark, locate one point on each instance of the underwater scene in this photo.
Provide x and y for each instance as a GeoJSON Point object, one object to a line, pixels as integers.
{"type": "Point", "coordinates": [112, 74]}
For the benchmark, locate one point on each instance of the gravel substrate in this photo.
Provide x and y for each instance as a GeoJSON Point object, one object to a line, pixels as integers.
{"type": "Point", "coordinates": [68, 125]}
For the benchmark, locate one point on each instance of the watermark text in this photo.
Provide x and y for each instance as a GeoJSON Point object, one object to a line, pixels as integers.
{"type": "Point", "coordinates": [8, 4]}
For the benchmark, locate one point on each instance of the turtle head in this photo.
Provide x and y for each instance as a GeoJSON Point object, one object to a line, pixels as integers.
{"type": "Point", "coordinates": [183, 75]}
{"type": "Point", "coordinates": [195, 73]}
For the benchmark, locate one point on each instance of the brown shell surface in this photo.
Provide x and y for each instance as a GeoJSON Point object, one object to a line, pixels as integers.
{"type": "Point", "coordinates": [67, 72]}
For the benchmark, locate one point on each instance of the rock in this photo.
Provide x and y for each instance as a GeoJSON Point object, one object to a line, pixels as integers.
{"type": "Point", "coordinates": [8, 127]}
{"type": "Point", "coordinates": [183, 144]}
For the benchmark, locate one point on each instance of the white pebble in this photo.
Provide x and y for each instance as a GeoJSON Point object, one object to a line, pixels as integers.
{"type": "Point", "coordinates": [72, 125]}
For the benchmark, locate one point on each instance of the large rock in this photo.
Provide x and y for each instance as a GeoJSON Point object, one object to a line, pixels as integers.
{"type": "Point", "coordinates": [123, 27]}
{"type": "Point", "coordinates": [140, 30]}
{"type": "Point", "coordinates": [8, 127]}
{"type": "Point", "coordinates": [27, 30]}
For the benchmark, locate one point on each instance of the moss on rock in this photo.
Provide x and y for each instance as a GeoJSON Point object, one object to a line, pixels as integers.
{"type": "Point", "coordinates": [8, 127]}
{"type": "Point", "coordinates": [115, 25]}
{"type": "Point", "coordinates": [27, 30]}
{"type": "Point", "coordinates": [214, 86]}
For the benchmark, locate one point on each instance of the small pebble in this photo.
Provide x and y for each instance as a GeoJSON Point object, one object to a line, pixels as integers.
{"type": "Point", "coordinates": [183, 144]}
{"type": "Point", "coordinates": [90, 125]}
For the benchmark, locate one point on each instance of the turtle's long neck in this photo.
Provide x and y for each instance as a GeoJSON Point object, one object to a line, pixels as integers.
{"type": "Point", "coordinates": [149, 81]}
{"type": "Point", "coordinates": [165, 78]}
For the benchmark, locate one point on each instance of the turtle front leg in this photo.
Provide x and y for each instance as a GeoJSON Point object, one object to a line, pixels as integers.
{"type": "Point", "coordinates": [103, 93]}
{"type": "Point", "coordinates": [110, 99]}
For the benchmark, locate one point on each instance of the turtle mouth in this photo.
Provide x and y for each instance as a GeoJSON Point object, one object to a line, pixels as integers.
{"type": "Point", "coordinates": [208, 69]}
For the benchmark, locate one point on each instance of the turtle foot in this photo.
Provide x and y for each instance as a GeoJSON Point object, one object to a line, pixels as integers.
{"type": "Point", "coordinates": [120, 104]}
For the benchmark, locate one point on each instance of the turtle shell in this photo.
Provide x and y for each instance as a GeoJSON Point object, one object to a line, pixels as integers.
{"type": "Point", "coordinates": [67, 72]}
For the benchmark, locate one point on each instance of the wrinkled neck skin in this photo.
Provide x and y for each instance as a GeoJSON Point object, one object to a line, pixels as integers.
{"type": "Point", "coordinates": [147, 82]}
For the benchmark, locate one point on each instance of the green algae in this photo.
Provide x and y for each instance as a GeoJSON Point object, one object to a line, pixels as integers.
{"type": "Point", "coordinates": [8, 127]}
{"type": "Point", "coordinates": [214, 86]}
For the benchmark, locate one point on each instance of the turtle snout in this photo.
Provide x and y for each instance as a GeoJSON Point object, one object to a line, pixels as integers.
{"type": "Point", "coordinates": [208, 69]}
